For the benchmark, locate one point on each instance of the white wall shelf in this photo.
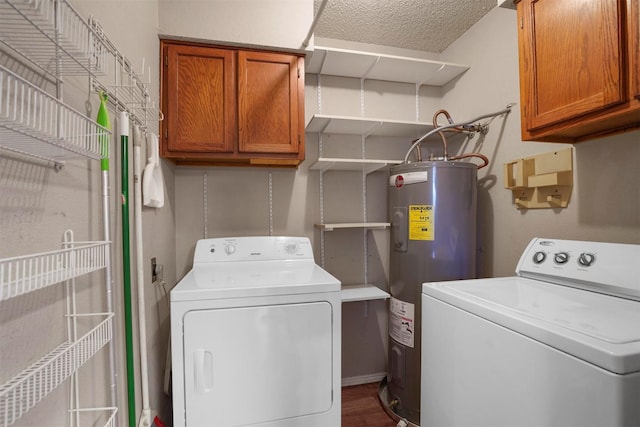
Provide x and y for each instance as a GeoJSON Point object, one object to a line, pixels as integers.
{"type": "Point", "coordinates": [347, 125]}
{"type": "Point", "coordinates": [364, 65]}
{"type": "Point", "coordinates": [365, 292]}
{"type": "Point", "coordinates": [340, 164]}
{"type": "Point", "coordinates": [347, 225]}
{"type": "Point", "coordinates": [358, 64]}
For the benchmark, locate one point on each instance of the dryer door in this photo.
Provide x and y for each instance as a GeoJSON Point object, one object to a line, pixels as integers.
{"type": "Point", "coordinates": [250, 365]}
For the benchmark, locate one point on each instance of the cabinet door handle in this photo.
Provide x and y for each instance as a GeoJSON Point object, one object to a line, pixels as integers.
{"type": "Point", "coordinates": [203, 370]}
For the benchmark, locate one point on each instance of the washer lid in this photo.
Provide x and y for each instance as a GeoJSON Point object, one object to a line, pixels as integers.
{"type": "Point", "coordinates": [600, 329]}
{"type": "Point", "coordinates": [253, 278]}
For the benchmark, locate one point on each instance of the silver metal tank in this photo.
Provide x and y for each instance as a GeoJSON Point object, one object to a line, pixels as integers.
{"type": "Point", "coordinates": [432, 209]}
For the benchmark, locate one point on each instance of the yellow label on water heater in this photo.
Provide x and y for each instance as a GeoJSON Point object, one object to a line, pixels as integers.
{"type": "Point", "coordinates": [421, 222]}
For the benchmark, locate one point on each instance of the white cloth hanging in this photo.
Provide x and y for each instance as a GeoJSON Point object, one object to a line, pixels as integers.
{"type": "Point", "coordinates": [152, 180]}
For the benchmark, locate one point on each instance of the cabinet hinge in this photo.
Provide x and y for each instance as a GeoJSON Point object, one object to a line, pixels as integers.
{"type": "Point", "coordinates": [298, 72]}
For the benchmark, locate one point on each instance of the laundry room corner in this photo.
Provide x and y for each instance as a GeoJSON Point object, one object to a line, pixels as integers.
{"type": "Point", "coordinates": [319, 213]}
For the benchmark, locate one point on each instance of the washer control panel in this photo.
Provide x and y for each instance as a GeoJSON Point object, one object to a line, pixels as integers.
{"type": "Point", "coordinates": [256, 248]}
{"type": "Point", "coordinates": [585, 259]}
{"type": "Point", "coordinates": [612, 268]}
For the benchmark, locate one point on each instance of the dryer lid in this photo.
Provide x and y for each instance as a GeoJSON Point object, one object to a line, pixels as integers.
{"type": "Point", "coordinates": [250, 279]}
{"type": "Point", "coordinates": [601, 329]}
{"type": "Point", "coordinates": [249, 266]}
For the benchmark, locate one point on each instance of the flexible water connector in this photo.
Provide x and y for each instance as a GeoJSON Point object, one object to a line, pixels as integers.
{"type": "Point", "coordinates": [507, 110]}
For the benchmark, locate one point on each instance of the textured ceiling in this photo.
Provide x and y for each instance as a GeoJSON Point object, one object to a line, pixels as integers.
{"type": "Point", "coordinates": [425, 25]}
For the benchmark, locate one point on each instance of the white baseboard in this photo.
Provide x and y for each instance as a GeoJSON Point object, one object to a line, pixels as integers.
{"type": "Point", "coordinates": [363, 379]}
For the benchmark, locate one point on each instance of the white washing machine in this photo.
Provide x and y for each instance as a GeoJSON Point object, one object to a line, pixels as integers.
{"type": "Point", "coordinates": [255, 329]}
{"type": "Point", "coordinates": [557, 345]}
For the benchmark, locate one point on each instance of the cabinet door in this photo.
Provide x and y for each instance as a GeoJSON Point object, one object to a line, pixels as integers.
{"type": "Point", "coordinates": [572, 58]}
{"type": "Point", "coordinates": [200, 99]}
{"type": "Point", "coordinates": [634, 42]}
{"type": "Point", "coordinates": [270, 111]}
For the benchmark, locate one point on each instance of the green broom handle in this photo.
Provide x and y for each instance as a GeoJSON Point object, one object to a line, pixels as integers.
{"type": "Point", "coordinates": [126, 267]}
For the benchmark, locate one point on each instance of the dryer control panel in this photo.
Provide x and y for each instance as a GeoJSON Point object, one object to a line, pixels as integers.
{"type": "Point", "coordinates": [611, 268]}
{"type": "Point", "coordinates": [252, 248]}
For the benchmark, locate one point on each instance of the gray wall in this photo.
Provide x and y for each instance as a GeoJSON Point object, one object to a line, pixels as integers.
{"type": "Point", "coordinates": [274, 23]}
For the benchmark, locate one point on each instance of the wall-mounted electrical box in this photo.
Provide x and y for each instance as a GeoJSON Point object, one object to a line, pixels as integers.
{"type": "Point", "coordinates": [541, 181]}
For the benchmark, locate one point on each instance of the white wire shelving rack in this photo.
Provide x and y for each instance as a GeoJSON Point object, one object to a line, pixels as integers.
{"type": "Point", "coordinates": [24, 274]}
{"type": "Point", "coordinates": [126, 89]}
{"type": "Point", "coordinates": [37, 124]}
{"type": "Point", "coordinates": [30, 273]}
{"type": "Point", "coordinates": [53, 39]}
{"type": "Point", "coordinates": [49, 40]}
{"type": "Point", "coordinates": [33, 384]}
{"type": "Point", "coordinates": [51, 35]}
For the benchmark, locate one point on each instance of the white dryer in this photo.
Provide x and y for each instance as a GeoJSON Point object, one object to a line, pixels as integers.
{"type": "Point", "coordinates": [255, 329]}
{"type": "Point", "coordinates": [556, 345]}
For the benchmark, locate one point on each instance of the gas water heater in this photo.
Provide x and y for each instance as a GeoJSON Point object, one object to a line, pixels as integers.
{"type": "Point", "coordinates": [432, 209]}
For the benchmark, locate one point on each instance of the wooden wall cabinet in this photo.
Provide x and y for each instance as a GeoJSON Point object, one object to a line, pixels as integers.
{"type": "Point", "coordinates": [226, 106]}
{"type": "Point", "coordinates": [579, 68]}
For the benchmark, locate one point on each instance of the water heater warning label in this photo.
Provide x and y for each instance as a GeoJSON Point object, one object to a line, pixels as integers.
{"type": "Point", "coordinates": [401, 322]}
{"type": "Point", "coordinates": [420, 222]}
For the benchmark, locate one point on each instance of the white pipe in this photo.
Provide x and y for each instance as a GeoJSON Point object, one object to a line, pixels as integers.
{"type": "Point", "coordinates": [305, 42]}
{"type": "Point", "coordinates": [145, 417]}
{"type": "Point", "coordinates": [106, 225]}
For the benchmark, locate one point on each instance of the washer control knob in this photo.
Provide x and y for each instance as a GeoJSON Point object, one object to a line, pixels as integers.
{"type": "Point", "coordinates": [586, 259]}
{"type": "Point", "coordinates": [230, 248]}
{"type": "Point", "coordinates": [561, 258]}
{"type": "Point", "coordinates": [539, 257]}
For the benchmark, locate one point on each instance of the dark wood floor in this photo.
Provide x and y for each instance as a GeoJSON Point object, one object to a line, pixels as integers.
{"type": "Point", "coordinates": [362, 408]}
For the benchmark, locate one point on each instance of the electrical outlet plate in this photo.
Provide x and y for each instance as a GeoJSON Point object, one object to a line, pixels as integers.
{"type": "Point", "coordinates": [154, 274]}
